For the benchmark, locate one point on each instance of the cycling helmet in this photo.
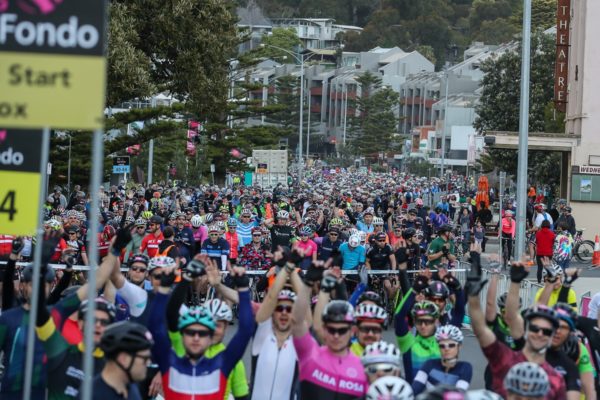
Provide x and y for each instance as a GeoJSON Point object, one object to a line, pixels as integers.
{"type": "Point", "coordinates": [335, 221]}
{"type": "Point", "coordinates": [449, 332]}
{"type": "Point", "coordinates": [101, 305]}
{"type": "Point", "coordinates": [232, 222]}
{"type": "Point", "coordinates": [438, 209]}
{"type": "Point", "coordinates": [161, 262]}
{"type": "Point", "coordinates": [502, 301]}
{"type": "Point", "coordinates": [370, 312]}
{"type": "Point", "coordinates": [362, 236]}
{"type": "Point", "coordinates": [219, 310]}
{"type": "Point", "coordinates": [353, 231]}
{"type": "Point", "coordinates": [208, 218]}
{"type": "Point", "coordinates": [213, 228]}
{"type": "Point", "coordinates": [425, 308]}
{"type": "Point", "coordinates": [370, 296]}
{"type": "Point", "coordinates": [552, 270]}
{"type": "Point", "coordinates": [306, 231]}
{"type": "Point", "coordinates": [146, 215]}
{"type": "Point", "coordinates": [567, 209]}
{"type": "Point", "coordinates": [378, 221]}
{"type": "Point", "coordinates": [196, 315]}
{"type": "Point", "coordinates": [380, 236]}
{"type": "Point", "coordinates": [140, 222]}
{"type": "Point", "coordinates": [246, 212]}
{"type": "Point", "coordinates": [572, 348]}
{"type": "Point", "coordinates": [408, 233]}
{"type": "Point", "coordinates": [541, 311]}
{"type": "Point", "coordinates": [172, 216]}
{"type": "Point", "coordinates": [566, 313]}
{"type": "Point", "coordinates": [527, 379]}
{"type": "Point", "coordinates": [437, 289]}
{"type": "Point", "coordinates": [220, 225]}
{"type": "Point", "coordinates": [368, 211]}
{"type": "Point", "coordinates": [196, 221]}
{"type": "Point", "coordinates": [125, 336]}
{"type": "Point", "coordinates": [130, 219]}
{"type": "Point", "coordinates": [445, 228]}
{"type": "Point", "coordinates": [338, 311]}
{"type": "Point", "coordinates": [27, 274]}
{"type": "Point", "coordinates": [286, 295]}
{"type": "Point", "coordinates": [419, 202]}
{"type": "Point", "coordinates": [380, 352]}
{"type": "Point", "coordinates": [156, 219]}
{"type": "Point", "coordinates": [390, 388]}
{"type": "Point", "coordinates": [354, 241]}
{"type": "Point", "coordinates": [283, 214]}
{"type": "Point", "coordinates": [140, 258]}
{"type": "Point", "coordinates": [442, 392]}
{"type": "Point", "coordinates": [482, 394]}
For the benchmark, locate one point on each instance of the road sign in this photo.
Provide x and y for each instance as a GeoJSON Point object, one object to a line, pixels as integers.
{"type": "Point", "coordinates": [52, 64]}
{"type": "Point", "coordinates": [20, 180]}
{"type": "Point", "coordinates": [121, 169]}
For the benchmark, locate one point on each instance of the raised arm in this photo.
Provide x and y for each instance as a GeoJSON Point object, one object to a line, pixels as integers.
{"type": "Point", "coordinates": [268, 306]}
{"type": "Point", "coordinates": [474, 285]}
{"type": "Point", "coordinates": [512, 316]}
{"type": "Point", "coordinates": [302, 305]}
{"type": "Point", "coordinates": [490, 301]}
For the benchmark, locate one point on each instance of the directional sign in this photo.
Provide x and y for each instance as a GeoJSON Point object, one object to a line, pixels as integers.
{"type": "Point", "coordinates": [121, 169]}
{"type": "Point", "coordinates": [20, 181]}
{"type": "Point", "coordinates": [52, 64]}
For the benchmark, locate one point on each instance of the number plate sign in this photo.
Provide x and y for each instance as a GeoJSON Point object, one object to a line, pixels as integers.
{"type": "Point", "coordinates": [20, 180]}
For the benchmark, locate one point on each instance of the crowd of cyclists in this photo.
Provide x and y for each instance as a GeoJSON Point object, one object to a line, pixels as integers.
{"type": "Point", "coordinates": [310, 278]}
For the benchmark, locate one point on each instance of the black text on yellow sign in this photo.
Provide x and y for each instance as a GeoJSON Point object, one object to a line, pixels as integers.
{"type": "Point", "coordinates": [20, 181]}
{"type": "Point", "coordinates": [61, 91]}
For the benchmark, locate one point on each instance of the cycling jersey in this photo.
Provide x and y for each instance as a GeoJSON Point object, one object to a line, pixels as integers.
{"type": "Point", "coordinates": [357, 349]}
{"type": "Point", "coordinates": [150, 244]}
{"type": "Point", "coordinates": [364, 227]}
{"type": "Point", "coordinates": [237, 383]}
{"type": "Point", "coordinates": [218, 251]}
{"type": "Point", "coordinates": [324, 375]}
{"type": "Point", "coordinates": [207, 378]}
{"type": "Point", "coordinates": [274, 369]}
{"type": "Point", "coordinates": [235, 244]}
{"type": "Point", "coordinates": [502, 332]}
{"type": "Point", "coordinates": [379, 257]}
{"type": "Point", "coordinates": [103, 391]}
{"type": "Point", "coordinates": [245, 232]}
{"type": "Point", "coordinates": [562, 294]}
{"type": "Point", "coordinates": [200, 235]}
{"type": "Point", "coordinates": [433, 373]}
{"type": "Point", "coordinates": [509, 226]}
{"type": "Point", "coordinates": [184, 240]}
{"type": "Point", "coordinates": [565, 367]}
{"type": "Point", "coordinates": [255, 259]}
{"type": "Point", "coordinates": [281, 236]}
{"type": "Point", "coordinates": [326, 247]}
{"type": "Point", "coordinates": [352, 257]}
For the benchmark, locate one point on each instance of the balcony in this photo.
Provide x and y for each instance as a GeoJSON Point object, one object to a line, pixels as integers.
{"type": "Point", "coordinates": [316, 91]}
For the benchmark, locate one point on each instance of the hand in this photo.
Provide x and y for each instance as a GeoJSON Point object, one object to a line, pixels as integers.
{"type": "Point", "coordinates": [314, 273]}
{"type": "Point", "coordinates": [328, 283]}
{"type": "Point", "coordinates": [518, 272]}
{"type": "Point", "coordinates": [17, 245]}
{"type": "Point", "coordinates": [240, 279]}
{"type": "Point", "coordinates": [452, 283]}
{"type": "Point", "coordinates": [122, 239]}
{"type": "Point", "coordinates": [155, 386]}
{"type": "Point", "coordinates": [167, 278]}
{"type": "Point", "coordinates": [420, 283]}
{"type": "Point", "coordinates": [571, 275]}
{"type": "Point", "coordinates": [212, 272]}
{"type": "Point", "coordinates": [194, 269]}
{"type": "Point", "coordinates": [363, 275]}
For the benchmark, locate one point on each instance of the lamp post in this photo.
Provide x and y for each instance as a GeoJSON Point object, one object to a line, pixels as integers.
{"type": "Point", "coordinates": [301, 60]}
{"type": "Point", "coordinates": [444, 130]}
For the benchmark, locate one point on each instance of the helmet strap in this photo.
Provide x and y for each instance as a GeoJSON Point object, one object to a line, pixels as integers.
{"type": "Point", "coordinates": [450, 362]}
{"type": "Point", "coordinates": [128, 369]}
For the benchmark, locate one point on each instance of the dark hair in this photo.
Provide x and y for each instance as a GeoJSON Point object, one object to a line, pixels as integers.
{"type": "Point", "coordinates": [168, 232]}
{"type": "Point", "coordinates": [545, 224]}
{"type": "Point", "coordinates": [562, 226]}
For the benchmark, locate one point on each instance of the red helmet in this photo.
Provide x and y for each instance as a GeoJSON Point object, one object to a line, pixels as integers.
{"type": "Point", "coordinates": [108, 232]}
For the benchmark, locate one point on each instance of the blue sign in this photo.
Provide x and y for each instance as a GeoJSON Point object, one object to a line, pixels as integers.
{"type": "Point", "coordinates": [120, 169]}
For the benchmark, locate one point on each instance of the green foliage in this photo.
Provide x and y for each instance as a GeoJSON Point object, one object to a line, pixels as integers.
{"type": "Point", "coordinates": [373, 126]}
{"type": "Point", "coordinates": [284, 38]}
{"type": "Point", "coordinates": [427, 51]}
{"type": "Point", "coordinates": [419, 167]}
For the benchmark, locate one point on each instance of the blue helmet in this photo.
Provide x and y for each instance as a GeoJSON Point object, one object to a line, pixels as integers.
{"type": "Point", "coordinates": [196, 315]}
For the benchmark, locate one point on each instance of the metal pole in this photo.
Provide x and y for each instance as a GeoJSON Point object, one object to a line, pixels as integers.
{"type": "Point", "coordinates": [444, 130]}
{"type": "Point", "coordinates": [308, 127]}
{"type": "Point", "coordinates": [501, 202]}
{"type": "Point", "coordinates": [345, 95]}
{"type": "Point", "coordinates": [88, 330]}
{"type": "Point", "coordinates": [523, 131]}
{"type": "Point", "coordinates": [69, 170]}
{"type": "Point", "coordinates": [300, 159]}
{"type": "Point", "coordinates": [37, 261]}
{"type": "Point", "coordinates": [150, 161]}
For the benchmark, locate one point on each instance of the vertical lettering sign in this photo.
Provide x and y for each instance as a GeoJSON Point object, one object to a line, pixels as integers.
{"type": "Point", "coordinates": [561, 72]}
{"type": "Point", "coordinates": [20, 180]}
{"type": "Point", "coordinates": [52, 65]}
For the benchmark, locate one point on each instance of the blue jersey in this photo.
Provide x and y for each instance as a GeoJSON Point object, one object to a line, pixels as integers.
{"type": "Point", "coordinates": [433, 373]}
{"type": "Point", "coordinates": [353, 257]}
{"type": "Point", "coordinates": [184, 240]}
{"type": "Point", "coordinates": [216, 251]}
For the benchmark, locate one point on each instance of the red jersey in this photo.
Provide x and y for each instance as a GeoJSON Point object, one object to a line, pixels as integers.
{"type": "Point", "coordinates": [62, 245]}
{"type": "Point", "coordinates": [234, 244]}
{"type": "Point", "coordinates": [544, 239]}
{"type": "Point", "coordinates": [150, 243]}
{"type": "Point", "coordinates": [5, 245]}
{"type": "Point", "coordinates": [103, 246]}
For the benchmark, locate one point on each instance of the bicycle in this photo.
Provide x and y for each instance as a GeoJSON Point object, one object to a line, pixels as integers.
{"type": "Point", "coordinates": [583, 250]}
{"type": "Point", "coordinates": [505, 253]}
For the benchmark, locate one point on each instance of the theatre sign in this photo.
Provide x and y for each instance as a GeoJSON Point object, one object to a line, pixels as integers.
{"type": "Point", "coordinates": [561, 73]}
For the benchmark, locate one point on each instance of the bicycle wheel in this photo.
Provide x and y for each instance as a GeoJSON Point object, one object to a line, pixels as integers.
{"type": "Point", "coordinates": [584, 251]}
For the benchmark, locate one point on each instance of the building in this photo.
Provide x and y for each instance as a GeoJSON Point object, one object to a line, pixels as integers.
{"type": "Point", "coordinates": [315, 33]}
{"type": "Point", "coordinates": [253, 22]}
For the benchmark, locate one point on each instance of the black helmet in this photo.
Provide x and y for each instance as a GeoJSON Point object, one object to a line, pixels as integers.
{"type": "Point", "coordinates": [408, 233]}
{"type": "Point", "coordinates": [156, 219]}
{"type": "Point", "coordinates": [338, 311]}
{"type": "Point", "coordinates": [438, 209]}
{"type": "Point", "coordinates": [125, 336]}
{"type": "Point", "coordinates": [445, 228]}
{"type": "Point", "coordinates": [27, 274]}
{"type": "Point", "coordinates": [541, 311]}
{"type": "Point", "coordinates": [101, 305]}
{"type": "Point", "coordinates": [69, 291]}
{"type": "Point", "coordinates": [502, 300]}
{"type": "Point", "coordinates": [571, 347]}
{"type": "Point", "coordinates": [370, 296]}
{"type": "Point", "coordinates": [141, 258]}
{"type": "Point", "coordinates": [437, 289]}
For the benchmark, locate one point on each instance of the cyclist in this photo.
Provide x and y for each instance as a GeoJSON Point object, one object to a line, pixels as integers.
{"type": "Point", "coordinates": [563, 246]}
{"type": "Point", "coordinates": [381, 257]}
{"type": "Point", "coordinates": [320, 376]}
{"type": "Point", "coordinates": [408, 250]}
{"type": "Point", "coordinates": [153, 238]}
{"type": "Point", "coordinates": [381, 359]}
{"type": "Point", "coordinates": [246, 226]}
{"type": "Point", "coordinates": [568, 220]}
{"type": "Point", "coordinates": [366, 224]}
{"type": "Point", "coordinates": [390, 387]}
{"type": "Point", "coordinates": [557, 286]}
{"type": "Point", "coordinates": [234, 240]}
{"type": "Point", "coordinates": [441, 248]}
{"type": "Point", "coordinates": [281, 233]}
{"type": "Point", "coordinates": [193, 374]}
{"type": "Point", "coordinates": [327, 244]}
{"type": "Point", "coordinates": [508, 229]}
{"type": "Point", "coordinates": [447, 369]}
{"type": "Point", "coordinates": [217, 248]}
{"type": "Point", "coordinates": [369, 326]}
{"type": "Point", "coordinates": [307, 247]}
{"type": "Point", "coordinates": [253, 256]}
{"type": "Point", "coordinates": [526, 380]}
{"type": "Point", "coordinates": [126, 346]}
{"type": "Point", "coordinates": [184, 238]}
{"type": "Point", "coordinates": [199, 230]}
{"type": "Point", "coordinates": [137, 235]}
{"type": "Point", "coordinates": [421, 346]}
{"type": "Point", "coordinates": [353, 253]}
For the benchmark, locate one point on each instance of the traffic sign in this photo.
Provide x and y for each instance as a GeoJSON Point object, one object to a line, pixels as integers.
{"type": "Point", "coordinates": [121, 169]}
{"type": "Point", "coordinates": [52, 64]}
{"type": "Point", "coordinates": [20, 180]}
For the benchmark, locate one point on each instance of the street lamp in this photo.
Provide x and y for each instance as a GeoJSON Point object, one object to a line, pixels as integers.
{"type": "Point", "coordinates": [300, 59]}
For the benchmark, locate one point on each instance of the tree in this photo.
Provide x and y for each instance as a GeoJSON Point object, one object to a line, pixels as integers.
{"type": "Point", "coordinates": [427, 52]}
{"type": "Point", "coordinates": [373, 125]}
{"type": "Point", "coordinates": [498, 108]}
{"type": "Point", "coordinates": [284, 38]}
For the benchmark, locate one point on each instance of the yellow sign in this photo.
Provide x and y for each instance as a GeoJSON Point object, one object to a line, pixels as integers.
{"type": "Point", "coordinates": [51, 90]}
{"type": "Point", "coordinates": [19, 196]}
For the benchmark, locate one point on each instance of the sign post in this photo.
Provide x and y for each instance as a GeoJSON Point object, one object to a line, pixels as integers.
{"type": "Point", "coordinates": [121, 165]}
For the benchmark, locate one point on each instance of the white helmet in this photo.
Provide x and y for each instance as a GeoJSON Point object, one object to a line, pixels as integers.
{"type": "Point", "coordinates": [219, 310]}
{"type": "Point", "coordinates": [527, 379]}
{"type": "Point", "coordinates": [354, 231]}
{"type": "Point", "coordinates": [390, 388]}
{"type": "Point", "coordinates": [378, 221]}
{"type": "Point", "coordinates": [161, 262]}
{"type": "Point", "coordinates": [286, 295]}
{"type": "Point", "coordinates": [221, 225]}
{"type": "Point", "coordinates": [283, 214]}
{"type": "Point", "coordinates": [363, 236]}
{"type": "Point", "coordinates": [552, 270]}
{"type": "Point", "coordinates": [449, 332]}
{"type": "Point", "coordinates": [354, 241]}
{"type": "Point", "coordinates": [196, 221]}
{"type": "Point", "coordinates": [370, 312]}
{"type": "Point", "coordinates": [380, 352]}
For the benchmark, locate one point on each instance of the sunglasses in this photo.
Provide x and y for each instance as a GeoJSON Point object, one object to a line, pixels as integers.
{"type": "Point", "coordinates": [337, 331]}
{"type": "Point", "coordinates": [282, 308]}
{"type": "Point", "coordinates": [370, 329]}
{"type": "Point", "coordinates": [381, 240]}
{"type": "Point", "coordinates": [537, 329]}
{"type": "Point", "coordinates": [194, 332]}
{"type": "Point", "coordinates": [141, 227]}
{"type": "Point", "coordinates": [156, 276]}
{"type": "Point", "coordinates": [103, 322]}
{"type": "Point", "coordinates": [380, 367]}
{"type": "Point", "coordinates": [333, 234]}
{"type": "Point", "coordinates": [213, 235]}
{"type": "Point", "coordinates": [257, 235]}
{"type": "Point", "coordinates": [424, 322]}
{"type": "Point", "coordinates": [448, 345]}
{"type": "Point", "coordinates": [138, 269]}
